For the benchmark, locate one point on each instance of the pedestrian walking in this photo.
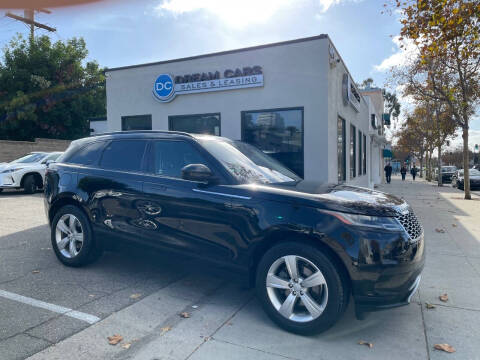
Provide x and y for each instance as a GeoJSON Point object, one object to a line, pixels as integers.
{"type": "Point", "coordinates": [403, 171]}
{"type": "Point", "coordinates": [388, 172]}
{"type": "Point", "coordinates": [413, 171]}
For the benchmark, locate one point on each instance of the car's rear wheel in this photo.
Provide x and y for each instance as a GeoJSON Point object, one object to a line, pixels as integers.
{"type": "Point", "coordinates": [29, 184]}
{"type": "Point", "coordinates": [72, 238]}
{"type": "Point", "coordinates": [301, 288]}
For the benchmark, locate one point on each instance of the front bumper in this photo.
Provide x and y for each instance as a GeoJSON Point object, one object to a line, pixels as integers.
{"type": "Point", "coordinates": [390, 282]}
{"type": "Point", "coordinates": [8, 181]}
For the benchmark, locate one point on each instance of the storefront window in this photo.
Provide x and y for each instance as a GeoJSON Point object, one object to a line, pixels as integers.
{"type": "Point", "coordinates": [364, 154]}
{"type": "Point", "coordinates": [278, 133]}
{"type": "Point", "coordinates": [208, 124]}
{"type": "Point", "coordinates": [353, 151]}
{"type": "Point", "coordinates": [341, 151]}
{"type": "Point", "coordinates": [137, 122]}
{"type": "Point", "coordinates": [360, 152]}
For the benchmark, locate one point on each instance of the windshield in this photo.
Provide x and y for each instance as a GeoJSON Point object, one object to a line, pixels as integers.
{"type": "Point", "coordinates": [53, 157]}
{"type": "Point", "coordinates": [247, 163]}
{"type": "Point", "coordinates": [30, 158]}
{"type": "Point", "coordinates": [448, 168]}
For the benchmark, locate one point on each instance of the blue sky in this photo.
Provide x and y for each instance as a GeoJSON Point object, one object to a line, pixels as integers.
{"type": "Point", "coordinates": [121, 33]}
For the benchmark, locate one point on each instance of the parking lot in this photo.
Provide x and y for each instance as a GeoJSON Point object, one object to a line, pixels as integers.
{"type": "Point", "coordinates": [48, 310]}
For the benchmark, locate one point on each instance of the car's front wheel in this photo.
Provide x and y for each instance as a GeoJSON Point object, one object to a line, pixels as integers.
{"type": "Point", "coordinates": [29, 184]}
{"type": "Point", "coordinates": [72, 238]}
{"type": "Point", "coordinates": [301, 288]}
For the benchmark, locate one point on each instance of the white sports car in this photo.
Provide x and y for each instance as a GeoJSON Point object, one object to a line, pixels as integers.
{"type": "Point", "coordinates": [28, 172]}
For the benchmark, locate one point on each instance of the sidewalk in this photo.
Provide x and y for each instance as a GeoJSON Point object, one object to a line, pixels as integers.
{"type": "Point", "coordinates": [226, 322]}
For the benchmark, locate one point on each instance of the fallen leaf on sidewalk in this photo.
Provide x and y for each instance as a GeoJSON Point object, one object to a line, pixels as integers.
{"type": "Point", "coordinates": [184, 315]}
{"type": "Point", "coordinates": [127, 345]}
{"type": "Point", "coordinates": [166, 329]}
{"type": "Point", "coordinates": [115, 339]}
{"type": "Point", "coordinates": [454, 225]}
{"type": "Point", "coordinates": [135, 296]}
{"type": "Point", "coordinates": [429, 306]}
{"type": "Point", "coordinates": [35, 271]}
{"type": "Point", "coordinates": [369, 344]}
{"type": "Point", "coordinates": [443, 297]}
{"type": "Point", "coordinates": [440, 230]}
{"type": "Point", "coordinates": [445, 347]}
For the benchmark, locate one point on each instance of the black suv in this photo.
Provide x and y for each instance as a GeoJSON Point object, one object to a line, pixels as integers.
{"type": "Point", "coordinates": [305, 246]}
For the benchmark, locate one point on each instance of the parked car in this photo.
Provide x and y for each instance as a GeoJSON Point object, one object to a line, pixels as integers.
{"type": "Point", "coordinates": [28, 172]}
{"type": "Point", "coordinates": [447, 173]}
{"type": "Point", "coordinates": [305, 246]}
{"type": "Point", "coordinates": [459, 181]}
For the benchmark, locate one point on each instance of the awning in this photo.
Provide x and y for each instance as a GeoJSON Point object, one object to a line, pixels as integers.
{"type": "Point", "coordinates": [387, 153]}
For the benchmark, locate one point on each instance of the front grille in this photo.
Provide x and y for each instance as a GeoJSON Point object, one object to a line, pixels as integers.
{"type": "Point", "coordinates": [411, 224]}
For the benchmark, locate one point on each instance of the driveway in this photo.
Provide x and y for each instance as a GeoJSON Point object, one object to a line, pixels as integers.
{"type": "Point", "coordinates": [140, 294]}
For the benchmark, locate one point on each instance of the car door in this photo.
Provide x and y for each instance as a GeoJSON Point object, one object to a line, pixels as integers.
{"type": "Point", "coordinates": [186, 215]}
{"type": "Point", "coordinates": [113, 188]}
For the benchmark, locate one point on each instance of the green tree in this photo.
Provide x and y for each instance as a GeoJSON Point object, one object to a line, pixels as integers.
{"type": "Point", "coordinates": [446, 34]}
{"type": "Point", "coordinates": [48, 89]}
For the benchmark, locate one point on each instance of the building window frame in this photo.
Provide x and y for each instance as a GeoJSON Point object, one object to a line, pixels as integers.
{"type": "Point", "coordinates": [364, 154]}
{"type": "Point", "coordinates": [172, 118]}
{"type": "Point", "coordinates": [353, 151]}
{"type": "Point", "coordinates": [342, 146]}
{"type": "Point", "coordinates": [300, 108]}
{"type": "Point", "coordinates": [129, 117]}
{"type": "Point", "coordinates": [360, 153]}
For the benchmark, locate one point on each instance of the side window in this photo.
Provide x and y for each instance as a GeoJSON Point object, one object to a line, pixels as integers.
{"type": "Point", "coordinates": [123, 155]}
{"type": "Point", "coordinates": [168, 157]}
{"type": "Point", "coordinates": [87, 155]}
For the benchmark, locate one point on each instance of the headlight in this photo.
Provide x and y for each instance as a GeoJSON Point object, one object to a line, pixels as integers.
{"type": "Point", "coordinates": [375, 222]}
{"type": "Point", "coordinates": [10, 170]}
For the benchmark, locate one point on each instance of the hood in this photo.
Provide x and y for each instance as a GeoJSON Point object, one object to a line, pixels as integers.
{"type": "Point", "coordinates": [343, 198]}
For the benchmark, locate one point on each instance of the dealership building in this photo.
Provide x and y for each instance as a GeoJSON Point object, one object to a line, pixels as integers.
{"type": "Point", "coordinates": [295, 100]}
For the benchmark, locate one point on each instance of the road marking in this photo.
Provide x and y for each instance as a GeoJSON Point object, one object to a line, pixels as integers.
{"type": "Point", "coordinates": [91, 319]}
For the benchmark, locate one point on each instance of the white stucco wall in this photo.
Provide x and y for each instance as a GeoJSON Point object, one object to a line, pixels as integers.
{"type": "Point", "coordinates": [336, 108]}
{"type": "Point", "coordinates": [296, 74]}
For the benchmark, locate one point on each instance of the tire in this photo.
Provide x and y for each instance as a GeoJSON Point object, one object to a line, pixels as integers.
{"type": "Point", "coordinates": [81, 252]}
{"type": "Point", "coordinates": [29, 185]}
{"type": "Point", "coordinates": [330, 298]}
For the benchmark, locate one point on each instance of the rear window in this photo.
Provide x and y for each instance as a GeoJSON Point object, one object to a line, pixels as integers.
{"type": "Point", "coordinates": [86, 155]}
{"type": "Point", "coordinates": [124, 155]}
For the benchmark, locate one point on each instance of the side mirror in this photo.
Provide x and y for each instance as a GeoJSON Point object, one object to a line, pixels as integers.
{"type": "Point", "coordinates": [48, 162]}
{"type": "Point", "coordinates": [197, 172]}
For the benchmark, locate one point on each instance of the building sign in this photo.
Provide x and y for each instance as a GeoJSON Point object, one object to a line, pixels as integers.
{"type": "Point", "coordinates": [166, 86]}
{"type": "Point", "coordinates": [350, 93]}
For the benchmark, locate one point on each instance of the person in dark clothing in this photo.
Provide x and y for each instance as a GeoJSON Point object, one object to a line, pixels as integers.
{"type": "Point", "coordinates": [403, 171]}
{"type": "Point", "coordinates": [413, 171]}
{"type": "Point", "coordinates": [388, 172]}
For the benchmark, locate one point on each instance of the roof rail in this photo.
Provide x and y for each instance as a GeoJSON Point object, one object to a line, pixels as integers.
{"type": "Point", "coordinates": [144, 132]}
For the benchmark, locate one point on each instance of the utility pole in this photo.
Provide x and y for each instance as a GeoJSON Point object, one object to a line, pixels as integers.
{"type": "Point", "coordinates": [29, 18]}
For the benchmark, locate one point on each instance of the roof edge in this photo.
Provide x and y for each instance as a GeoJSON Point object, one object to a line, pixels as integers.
{"type": "Point", "coordinates": [227, 52]}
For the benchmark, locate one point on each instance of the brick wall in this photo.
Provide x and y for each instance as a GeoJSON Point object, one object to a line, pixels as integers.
{"type": "Point", "coordinates": [11, 150]}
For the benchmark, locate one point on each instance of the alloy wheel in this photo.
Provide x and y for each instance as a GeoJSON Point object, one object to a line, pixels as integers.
{"type": "Point", "coordinates": [69, 236]}
{"type": "Point", "coordinates": [297, 288]}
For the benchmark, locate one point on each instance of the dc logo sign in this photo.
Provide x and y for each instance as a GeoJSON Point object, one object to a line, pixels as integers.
{"type": "Point", "coordinates": [164, 88]}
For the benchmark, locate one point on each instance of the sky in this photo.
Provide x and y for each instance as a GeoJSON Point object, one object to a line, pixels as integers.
{"type": "Point", "coordinates": [120, 33]}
